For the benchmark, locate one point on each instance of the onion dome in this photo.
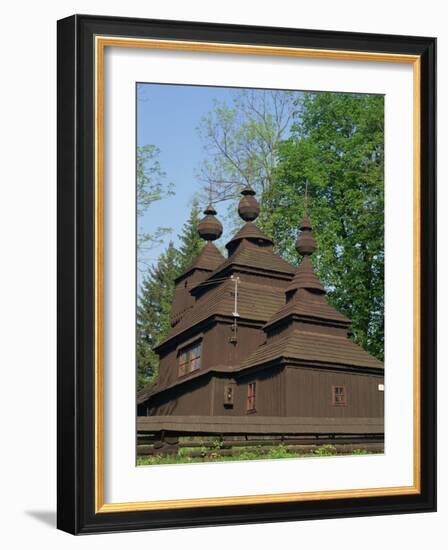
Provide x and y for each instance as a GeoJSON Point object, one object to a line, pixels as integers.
{"type": "Point", "coordinates": [305, 243]}
{"type": "Point", "coordinates": [248, 207]}
{"type": "Point", "coordinates": [305, 277]}
{"type": "Point", "coordinates": [210, 228]}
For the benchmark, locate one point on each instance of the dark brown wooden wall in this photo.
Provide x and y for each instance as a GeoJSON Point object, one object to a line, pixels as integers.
{"type": "Point", "coordinates": [289, 391]}
{"type": "Point", "coordinates": [205, 396]}
{"type": "Point", "coordinates": [309, 393]}
{"type": "Point", "coordinates": [183, 300]}
{"type": "Point", "coordinates": [270, 395]}
{"type": "Point", "coordinates": [168, 368]}
{"type": "Point", "coordinates": [217, 350]}
{"type": "Point", "coordinates": [194, 400]}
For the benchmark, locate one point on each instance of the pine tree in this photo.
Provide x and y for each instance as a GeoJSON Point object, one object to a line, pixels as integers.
{"type": "Point", "coordinates": [153, 313]}
{"type": "Point", "coordinates": [157, 293]}
{"type": "Point", "coordinates": [191, 243]}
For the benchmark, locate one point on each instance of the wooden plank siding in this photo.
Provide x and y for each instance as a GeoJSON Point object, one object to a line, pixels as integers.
{"type": "Point", "coordinates": [269, 400]}
{"type": "Point", "coordinates": [309, 393]}
{"type": "Point", "coordinates": [281, 391]}
{"type": "Point", "coordinates": [195, 401]}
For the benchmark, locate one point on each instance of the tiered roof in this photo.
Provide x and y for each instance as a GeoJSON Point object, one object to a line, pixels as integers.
{"type": "Point", "coordinates": [313, 348]}
{"type": "Point", "coordinates": [289, 304]}
{"type": "Point", "coordinates": [251, 257]}
{"type": "Point", "coordinates": [208, 259]}
{"type": "Point", "coordinates": [256, 302]}
{"type": "Point", "coordinates": [307, 307]}
{"type": "Point", "coordinates": [306, 329]}
{"type": "Point", "coordinates": [249, 232]}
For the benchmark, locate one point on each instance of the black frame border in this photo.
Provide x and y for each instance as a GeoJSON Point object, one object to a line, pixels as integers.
{"type": "Point", "coordinates": [75, 272]}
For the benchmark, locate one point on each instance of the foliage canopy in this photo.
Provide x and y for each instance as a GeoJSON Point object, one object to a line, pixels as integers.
{"type": "Point", "coordinates": [337, 146]}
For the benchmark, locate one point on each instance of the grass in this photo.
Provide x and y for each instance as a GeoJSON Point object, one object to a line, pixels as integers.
{"type": "Point", "coordinates": [254, 453]}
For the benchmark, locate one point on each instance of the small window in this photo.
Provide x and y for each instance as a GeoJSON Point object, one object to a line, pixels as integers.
{"type": "Point", "coordinates": [228, 395]}
{"type": "Point", "coordinates": [189, 358]}
{"type": "Point", "coordinates": [339, 396]}
{"type": "Point", "coordinates": [251, 394]}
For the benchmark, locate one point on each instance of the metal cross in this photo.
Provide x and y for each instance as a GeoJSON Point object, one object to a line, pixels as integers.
{"type": "Point", "coordinates": [236, 280]}
{"type": "Point", "coordinates": [306, 198]}
{"type": "Point", "coordinates": [209, 192]}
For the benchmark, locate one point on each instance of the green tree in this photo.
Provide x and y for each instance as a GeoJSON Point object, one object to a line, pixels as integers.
{"type": "Point", "coordinates": [151, 187]}
{"type": "Point", "coordinates": [337, 145]}
{"type": "Point", "coordinates": [157, 293]}
{"type": "Point", "coordinates": [240, 140]}
{"type": "Point", "coordinates": [191, 242]}
{"type": "Point", "coordinates": [153, 313]}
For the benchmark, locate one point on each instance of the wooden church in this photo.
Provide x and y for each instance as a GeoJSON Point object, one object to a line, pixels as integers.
{"type": "Point", "coordinates": [255, 349]}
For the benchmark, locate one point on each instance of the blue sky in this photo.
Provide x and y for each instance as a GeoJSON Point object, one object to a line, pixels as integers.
{"type": "Point", "coordinates": [168, 117]}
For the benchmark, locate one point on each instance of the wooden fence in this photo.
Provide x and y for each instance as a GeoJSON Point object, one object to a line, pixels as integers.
{"type": "Point", "coordinates": [224, 445]}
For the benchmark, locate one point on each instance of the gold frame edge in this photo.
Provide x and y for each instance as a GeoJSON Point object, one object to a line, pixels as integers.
{"type": "Point", "coordinates": [101, 42]}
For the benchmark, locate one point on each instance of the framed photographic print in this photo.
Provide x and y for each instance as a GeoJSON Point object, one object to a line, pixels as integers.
{"type": "Point", "coordinates": [246, 274]}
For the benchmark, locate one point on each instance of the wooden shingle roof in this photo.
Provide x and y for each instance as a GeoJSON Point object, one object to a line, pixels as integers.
{"type": "Point", "coordinates": [306, 278]}
{"type": "Point", "coordinates": [313, 347]}
{"type": "Point", "coordinates": [308, 306]}
{"type": "Point", "coordinates": [252, 257]}
{"type": "Point", "coordinates": [251, 232]}
{"type": "Point", "coordinates": [208, 259]}
{"type": "Point", "coordinates": [255, 302]}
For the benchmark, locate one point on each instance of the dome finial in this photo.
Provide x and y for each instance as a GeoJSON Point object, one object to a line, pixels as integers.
{"type": "Point", "coordinates": [210, 228]}
{"type": "Point", "coordinates": [248, 207]}
{"type": "Point", "coordinates": [305, 243]}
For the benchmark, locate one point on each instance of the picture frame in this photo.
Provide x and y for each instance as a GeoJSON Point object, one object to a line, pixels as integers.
{"type": "Point", "coordinates": [82, 42]}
